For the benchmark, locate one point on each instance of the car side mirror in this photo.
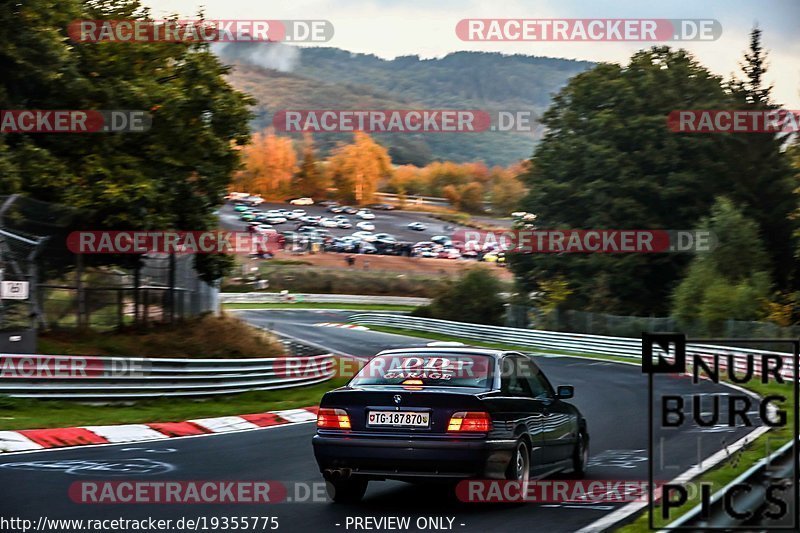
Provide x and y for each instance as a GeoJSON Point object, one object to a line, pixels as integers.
{"type": "Point", "coordinates": [565, 392]}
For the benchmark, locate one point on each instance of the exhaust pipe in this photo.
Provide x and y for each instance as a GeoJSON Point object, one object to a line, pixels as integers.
{"type": "Point", "coordinates": [335, 474]}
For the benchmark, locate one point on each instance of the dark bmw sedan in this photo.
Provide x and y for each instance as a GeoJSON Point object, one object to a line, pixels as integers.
{"type": "Point", "coordinates": [447, 413]}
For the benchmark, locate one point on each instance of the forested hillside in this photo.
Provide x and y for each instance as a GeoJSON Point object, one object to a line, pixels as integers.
{"type": "Point", "coordinates": [282, 77]}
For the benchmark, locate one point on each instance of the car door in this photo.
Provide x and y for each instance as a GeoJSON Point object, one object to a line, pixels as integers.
{"type": "Point", "coordinates": [558, 420]}
{"type": "Point", "coordinates": [522, 408]}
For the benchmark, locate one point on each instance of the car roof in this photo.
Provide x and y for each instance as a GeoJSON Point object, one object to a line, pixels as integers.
{"type": "Point", "coordinates": [467, 350]}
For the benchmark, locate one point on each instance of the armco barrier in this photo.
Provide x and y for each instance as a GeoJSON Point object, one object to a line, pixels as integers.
{"type": "Point", "coordinates": [276, 297]}
{"type": "Point", "coordinates": [162, 377]}
{"type": "Point", "coordinates": [572, 343]}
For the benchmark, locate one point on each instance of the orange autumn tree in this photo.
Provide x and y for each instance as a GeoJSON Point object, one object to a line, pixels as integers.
{"type": "Point", "coordinates": [357, 168]}
{"type": "Point", "coordinates": [269, 164]}
{"type": "Point", "coordinates": [311, 180]}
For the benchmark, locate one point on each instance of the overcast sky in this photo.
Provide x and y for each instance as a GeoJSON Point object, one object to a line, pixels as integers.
{"type": "Point", "coordinates": [390, 28]}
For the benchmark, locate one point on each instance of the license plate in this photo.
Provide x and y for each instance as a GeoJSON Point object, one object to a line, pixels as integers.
{"type": "Point", "coordinates": [403, 419]}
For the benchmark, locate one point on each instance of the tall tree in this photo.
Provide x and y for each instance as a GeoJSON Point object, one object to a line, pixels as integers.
{"type": "Point", "coordinates": [608, 161]}
{"type": "Point", "coordinates": [729, 282]}
{"type": "Point", "coordinates": [471, 198]}
{"type": "Point", "coordinates": [310, 180]}
{"type": "Point", "coordinates": [357, 168]}
{"type": "Point", "coordinates": [269, 164]}
{"type": "Point", "coordinates": [506, 193]}
{"type": "Point", "coordinates": [764, 183]}
{"type": "Point", "coordinates": [172, 176]}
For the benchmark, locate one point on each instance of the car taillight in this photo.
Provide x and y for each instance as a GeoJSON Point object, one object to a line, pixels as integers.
{"type": "Point", "coordinates": [333, 419]}
{"type": "Point", "coordinates": [477, 421]}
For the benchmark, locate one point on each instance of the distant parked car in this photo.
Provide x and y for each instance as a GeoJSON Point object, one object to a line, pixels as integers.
{"type": "Point", "coordinates": [366, 247]}
{"type": "Point", "coordinates": [382, 207]}
{"type": "Point", "coordinates": [295, 214]}
{"type": "Point", "coordinates": [417, 226]}
{"type": "Point", "coordinates": [427, 252]}
{"type": "Point", "coordinates": [343, 223]}
{"type": "Point", "coordinates": [442, 239]}
{"type": "Point", "coordinates": [366, 226]}
{"type": "Point", "coordinates": [328, 203]}
{"type": "Point", "coordinates": [495, 257]}
{"type": "Point", "coordinates": [347, 210]}
{"type": "Point", "coordinates": [364, 236]}
{"type": "Point", "coordinates": [241, 208]}
{"type": "Point", "coordinates": [311, 219]}
{"type": "Point", "coordinates": [449, 253]}
{"type": "Point", "coordinates": [366, 214]}
{"type": "Point", "coordinates": [328, 223]}
{"type": "Point", "coordinates": [301, 201]}
{"type": "Point", "coordinates": [345, 244]}
{"type": "Point", "coordinates": [385, 237]}
{"type": "Point", "coordinates": [275, 219]}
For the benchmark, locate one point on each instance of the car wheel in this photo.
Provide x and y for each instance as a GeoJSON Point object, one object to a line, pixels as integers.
{"type": "Point", "coordinates": [580, 457]}
{"type": "Point", "coordinates": [347, 490]}
{"type": "Point", "coordinates": [519, 469]}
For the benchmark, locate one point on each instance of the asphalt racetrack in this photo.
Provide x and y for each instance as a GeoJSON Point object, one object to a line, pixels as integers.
{"type": "Point", "coordinates": [612, 396]}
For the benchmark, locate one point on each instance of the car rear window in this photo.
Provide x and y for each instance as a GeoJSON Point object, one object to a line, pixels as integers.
{"type": "Point", "coordinates": [428, 369]}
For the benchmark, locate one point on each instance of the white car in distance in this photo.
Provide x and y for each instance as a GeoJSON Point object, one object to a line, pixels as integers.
{"type": "Point", "coordinates": [328, 223]}
{"type": "Point", "coordinates": [364, 236]}
{"type": "Point", "coordinates": [301, 201]}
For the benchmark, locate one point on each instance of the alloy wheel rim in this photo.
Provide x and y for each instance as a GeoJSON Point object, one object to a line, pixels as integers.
{"type": "Point", "coordinates": [521, 464]}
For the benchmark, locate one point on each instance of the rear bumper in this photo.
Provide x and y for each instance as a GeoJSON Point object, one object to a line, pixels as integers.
{"type": "Point", "coordinates": [404, 458]}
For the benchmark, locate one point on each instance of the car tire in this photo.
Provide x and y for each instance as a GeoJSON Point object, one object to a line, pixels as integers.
{"type": "Point", "coordinates": [580, 456]}
{"type": "Point", "coordinates": [347, 490]}
{"type": "Point", "coordinates": [519, 468]}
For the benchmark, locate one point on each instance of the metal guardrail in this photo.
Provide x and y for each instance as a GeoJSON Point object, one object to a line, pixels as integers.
{"type": "Point", "coordinates": [112, 378]}
{"type": "Point", "coordinates": [571, 343]}
{"type": "Point", "coordinates": [277, 297]}
{"type": "Point", "coordinates": [413, 199]}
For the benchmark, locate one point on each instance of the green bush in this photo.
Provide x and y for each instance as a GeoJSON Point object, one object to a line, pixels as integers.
{"type": "Point", "coordinates": [475, 297]}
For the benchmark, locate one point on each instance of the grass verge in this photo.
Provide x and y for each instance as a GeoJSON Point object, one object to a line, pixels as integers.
{"type": "Point", "coordinates": [308, 305]}
{"type": "Point", "coordinates": [206, 336]}
{"type": "Point", "coordinates": [24, 413]}
{"type": "Point", "coordinates": [340, 280]}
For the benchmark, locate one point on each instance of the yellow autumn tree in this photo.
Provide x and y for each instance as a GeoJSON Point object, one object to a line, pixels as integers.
{"type": "Point", "coordinates": [357, 168]}
{"type": "Point", "coordinates": [507, 190]}
{"type": "Point", "coordinates": [269, 164]}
